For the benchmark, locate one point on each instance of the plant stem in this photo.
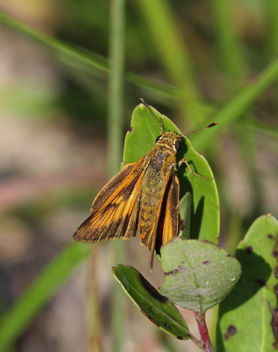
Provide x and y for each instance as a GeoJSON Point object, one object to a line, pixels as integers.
{"type": "Point", "coordinates": [228, 44]}
{"type": "Point", "coordinates": [94, 317]}
{"type": "Point", "coordinates": [174, 55]}
{"type": "Point", "coordinates": [202, 326]}
{"type": "Point", "coordinates": [115, 143]}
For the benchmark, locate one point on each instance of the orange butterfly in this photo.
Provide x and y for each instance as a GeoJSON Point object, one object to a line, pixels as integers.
{"type": "Point", "coordinates": [142, 196]}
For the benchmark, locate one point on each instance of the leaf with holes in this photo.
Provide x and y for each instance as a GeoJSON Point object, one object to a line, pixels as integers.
{"type": "Point", "coordinates": [247, 316]}
{"type": "Point", "coordinates": [198, 275]}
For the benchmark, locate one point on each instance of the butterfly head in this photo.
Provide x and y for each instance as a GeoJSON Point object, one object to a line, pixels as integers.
{"type": "Point", "coordinates": [169, 140]}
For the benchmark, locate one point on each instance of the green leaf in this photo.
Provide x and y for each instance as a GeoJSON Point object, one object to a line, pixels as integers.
{"type": "Point", "coordinates": [138, 142]}
{"type": "Point", "coordinates": [198, 275]}
{"type": "Point", "coordinates": [185, 215]}
{"type": "Point", "coordinates": [245, 316]}
{"type": "Point", "coordinates": [156, 307]}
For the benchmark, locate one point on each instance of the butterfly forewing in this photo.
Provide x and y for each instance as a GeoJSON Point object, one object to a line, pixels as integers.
{"type": "Point", "coordinates": [115, 209]}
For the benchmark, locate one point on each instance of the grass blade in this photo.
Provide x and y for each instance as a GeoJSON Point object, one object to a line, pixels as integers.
{"type": "Point", "coordinates": [233, 109]}
{"type": "Point", "coordinates": [260, 126]}
{"type": "Point", "coordinates": [115, 143]}
{"type": "Point", "coordinates": [272, 25]}
{"type": "Point", "coordinates": [91, 60]}
{"type": "Point", "coordinates": [173, 54]}
{"type": "Point", "coordinates": [36, 296]}
{"type": "Point", "coordinates": [229, 49]}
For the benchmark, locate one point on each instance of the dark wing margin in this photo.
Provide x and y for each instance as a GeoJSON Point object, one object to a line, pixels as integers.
{"type": "Point", "coordinates": [115, 209]}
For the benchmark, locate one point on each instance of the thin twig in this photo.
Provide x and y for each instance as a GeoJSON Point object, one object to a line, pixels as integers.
{"type": "Point", "coordinates": [202, 326]}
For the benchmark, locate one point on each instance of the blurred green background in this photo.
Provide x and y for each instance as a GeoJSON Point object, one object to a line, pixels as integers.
{"type": "Point", "coordinates": [64, 113]}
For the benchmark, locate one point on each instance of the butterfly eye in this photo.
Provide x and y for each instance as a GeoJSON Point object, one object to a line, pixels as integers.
{"type": "Point", "coordinates": [157, 139]}
{"type": "Point", "coordinates": [177, 145]}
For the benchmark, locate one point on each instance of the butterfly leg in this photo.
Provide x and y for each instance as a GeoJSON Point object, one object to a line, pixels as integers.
{"type": "Point", "coordinates": [191, 171]}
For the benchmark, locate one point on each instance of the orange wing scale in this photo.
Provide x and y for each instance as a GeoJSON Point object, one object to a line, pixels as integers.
{"type": "Point", "coordinates": [115, 209]}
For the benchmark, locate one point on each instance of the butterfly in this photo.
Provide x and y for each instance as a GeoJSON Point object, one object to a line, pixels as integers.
{"type": "Point", "coordinates": [143, 196]}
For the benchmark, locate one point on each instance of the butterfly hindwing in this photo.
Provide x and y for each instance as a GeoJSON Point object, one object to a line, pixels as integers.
{"type": "Point", "coordinates": [156, 234]}
{"type": "Point", "coordinates": [169, 217]}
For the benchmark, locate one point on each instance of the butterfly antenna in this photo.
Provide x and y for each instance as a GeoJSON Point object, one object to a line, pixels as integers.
{"type": "Point", "coordinates": [155, 120]}
{"type": "Point", "coordinates": [209, 126]}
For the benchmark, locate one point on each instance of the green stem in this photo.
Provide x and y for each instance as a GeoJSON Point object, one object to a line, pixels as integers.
{"type": "Point", "coordinates": [116, 85]}
{"type": "Point", "coordinates": [272, 25]}
{"type": "Point", "coordinates": [173, 54]}
{"type": "Point", "coordinates": [115, 143]}
{"type": "Point", "coordinates": [93, 307]}
{"type": "Point", "coordinates": [228, 46]}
